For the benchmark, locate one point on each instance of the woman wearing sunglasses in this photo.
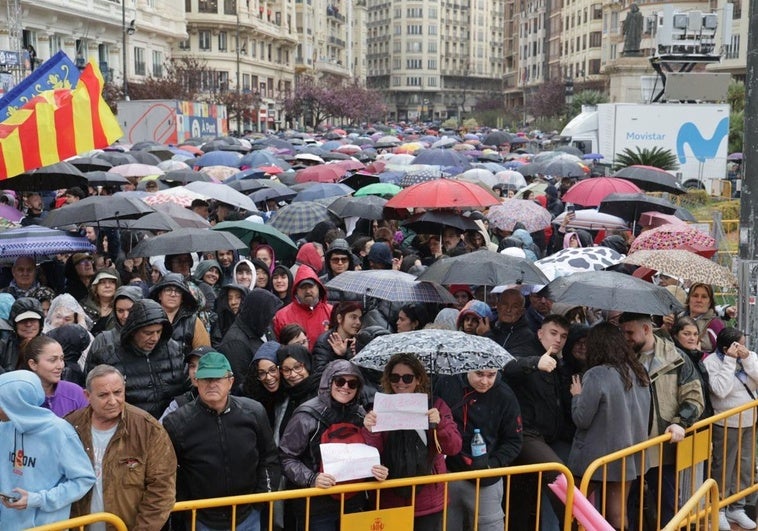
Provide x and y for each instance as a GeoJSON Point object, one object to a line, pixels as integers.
{"type": "Point", "coordinates": [299, 449]}
{"type": "Point", "coordinates": [409, 453]}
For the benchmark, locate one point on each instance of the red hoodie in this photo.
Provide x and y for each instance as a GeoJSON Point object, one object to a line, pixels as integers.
{"type": "Point", "coordinates": [314, 320]}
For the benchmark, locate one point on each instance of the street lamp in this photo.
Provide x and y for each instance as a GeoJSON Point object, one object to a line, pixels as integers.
{"type": "Point", "coordinates": [568, 91]}
{"type": "Point", "coordinates": [125, 30]}
{"type": "Point", "coordinates": [239, 103]}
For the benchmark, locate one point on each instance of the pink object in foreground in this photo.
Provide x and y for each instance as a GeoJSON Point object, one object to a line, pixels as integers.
{"type": "Point", "coordinates": [583, 510]}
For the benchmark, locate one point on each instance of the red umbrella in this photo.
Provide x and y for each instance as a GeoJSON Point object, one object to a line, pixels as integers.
{"type": "Point", "coordinates": [349, 164]}
{"type": "Point", "coordinates": [654, 219]}
{"type": "Point", "coordinates": [676, 236]}
{"type": "Point", "coordinates": [323, 173]}
{"type": "Point", "coordinates": [271, 170]}
{"type": "Point", "coordinates": [590, 192]}
{"type": "Point", "coordinates": [443, 193]}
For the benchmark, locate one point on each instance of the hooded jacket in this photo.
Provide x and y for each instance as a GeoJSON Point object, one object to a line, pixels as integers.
{"type": "Point", "coordinates": [54, 468]}
{"type": "Point", "coordinates": [259, 264]}
{"type": "Point", "coordinates": [227, 454]}
{"type": "Point", "coordinates": [9, 348]}
{"type": "Point", "coordinates": [245, 336]}
{"type": "Point", "coordinates": [210, 292]}
{"type": "Point", "coordinates": [299, 445]}
{"type": "Point", "coordinates": [252, 270]}
{"type": "Point", "coordinates": [227, 273]}
{"type": "Point", "coordinates": [187, 329]}
{"type": "Point", "coordinates": [315, 320]}
{"type": "Point", "coordinates": [283, 270]}
{"type": "Point", "coordinates": [73, 340]}
{"type": "Point", "coordinates": [308, 255]}
{"type": "Point", "coordinates": [224, 315]}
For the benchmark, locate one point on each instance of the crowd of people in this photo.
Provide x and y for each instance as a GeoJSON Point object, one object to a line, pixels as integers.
{"type": "Point", "coordinates": [200, 375]}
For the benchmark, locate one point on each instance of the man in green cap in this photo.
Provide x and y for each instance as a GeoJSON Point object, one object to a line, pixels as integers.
{"type": "Point", "coordinates": [224, 446]}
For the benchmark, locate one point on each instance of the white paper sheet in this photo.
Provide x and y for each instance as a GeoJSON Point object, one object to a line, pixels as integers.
{"type": "Point", "coordinates": [405, 411]}
{"type": "Point", "coordinates": [349, 461]}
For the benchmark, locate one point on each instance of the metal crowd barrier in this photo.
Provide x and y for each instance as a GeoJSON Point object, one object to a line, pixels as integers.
{"type": "Point", "coordinates": [82, 521]}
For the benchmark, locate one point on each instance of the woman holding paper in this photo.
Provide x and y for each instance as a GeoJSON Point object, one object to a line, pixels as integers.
{"type": "Point", "coordinates": [299, 449]}
{"type": "Point", "coordinates": [408, 453]}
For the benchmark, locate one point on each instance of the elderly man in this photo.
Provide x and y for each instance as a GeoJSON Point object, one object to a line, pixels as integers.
{"type": "Point", "coordinates": [224, 447]}
{"type": "Point", "coordinates": [133, 458]}
{"type": "Point", "coordinates": [147, 356]}
{"type": "Point", "coordinates": [24, 281]}
{"type": "Point", "coordinates": [511, 330]}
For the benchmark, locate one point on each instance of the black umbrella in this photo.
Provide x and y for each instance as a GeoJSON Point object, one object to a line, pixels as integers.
{"type": "Point", "coordinates": [272, 194]}
{"type": "Point", "coordinates": [104, 178]}
{"type": "Point", "coordinates": [630, 206]}
{"type": "Point", "coordinates": [184, 240]}
{"type": "Point", "coordinates": [609, 290]}
{"type": "Point", "coordinates": [435, 221]}
{"type": "Point", "coordinates": [167, 216]}
{"type": "Point", "coordinates": [571, 150]}
{"type": "Point", "coordinates": [52, 177]}
{"type": "Point", "coordinates": [88, 164]}
{"type": "Point", "coordinates": [185, 176]}
{"type": "Point", "coordinates": [369, 207]}
{"type": "Point", "coordinates": [145, 157]}
{"type": "Point", "coordinates": [484, 268]}
{"type": "Point", "coordinates": [497, 138]}
{"type": "Point", "coordinates": [116, 158]}
{"type": "Point", "coordinates": [651, 179]}
{"type": "Point", "coordinates": [96, 208]}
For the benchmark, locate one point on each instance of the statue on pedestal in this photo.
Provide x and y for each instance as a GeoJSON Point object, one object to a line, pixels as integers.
{"type": "Point", "coordinates": [632, 30]}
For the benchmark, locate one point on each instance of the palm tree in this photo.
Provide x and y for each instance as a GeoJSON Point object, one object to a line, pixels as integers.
{"type": "Point", "coordinates": [657, 157]}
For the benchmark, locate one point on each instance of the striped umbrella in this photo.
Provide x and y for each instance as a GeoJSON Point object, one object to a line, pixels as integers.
{"type": "Point", "coordinates": [38, 241]}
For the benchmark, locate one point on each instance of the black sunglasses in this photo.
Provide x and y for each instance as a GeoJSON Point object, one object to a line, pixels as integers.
{"type": "Point", "coordinates": [339, 381]}
{"type": "Point", "coordinates": [407, 378]}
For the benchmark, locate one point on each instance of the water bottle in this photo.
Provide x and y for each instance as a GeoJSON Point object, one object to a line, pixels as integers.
{"type": "Point", "coordinates": [478, 446]}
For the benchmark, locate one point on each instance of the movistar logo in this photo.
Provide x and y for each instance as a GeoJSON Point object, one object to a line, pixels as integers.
{"type": "Point", "coordinates": [703, 148]}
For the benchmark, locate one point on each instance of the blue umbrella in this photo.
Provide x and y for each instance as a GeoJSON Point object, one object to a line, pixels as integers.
{"type": "Point", "coordinates": [442, 157]}
{"type": "Point", "coordinates": [256, 159]}
{"type": "Point", "coordinates": [331, 145]}
{"type": "Point", "coordinates": [219, 158]}
{"type": "Point", "coordinates": [322, 190]}
{"type": "Point", "coordinates": [37, 241]}
{"type": "Point", "coordinates": [250, 173]}
{"type": "Point", "coordinates": [593, 156]}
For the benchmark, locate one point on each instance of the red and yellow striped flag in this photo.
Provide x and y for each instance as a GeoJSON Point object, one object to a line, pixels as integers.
{"type": "Point", "coordinates": [56, 125]}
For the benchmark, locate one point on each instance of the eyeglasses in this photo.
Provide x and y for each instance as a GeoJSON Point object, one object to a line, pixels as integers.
{"type": "Point", "coordinates": [339, 381]}
{"type": "Point", "coordinates": [407, 378]}
{"type": "Point", "coordinates": [339, 259]}
{"type": "Point", "coordinates": [172, 290]}
{"type": "Point", "coordinates": [273, 371]}
{"type": "Point", "coordinates": [298, 368]}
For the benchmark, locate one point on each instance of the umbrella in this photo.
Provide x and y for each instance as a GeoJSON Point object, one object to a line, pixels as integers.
{"type": "Point", "coordinates": [651, 179]}
{"type": "Point", "coordinates": [593, 156]}
{"type": "Point", "coordinates": [272, 194]}
{"type": "Point", "coordinates": [96, 208]}
{"type": "Point", "coordinates": [369, 207]}
{"type": "Point", "coordinates": [168, 216]}
{"type": "Point", "coordinates": [654, 219]}
{"type": "Point", "coordinates": [734, 156]}
{"type": "Point", "coordinates": [590, 192]}
{"type": "Point", "coordinates": [609, 290]}
{"type": "Point", "coordinates": [630, 206]}
{"type": "Point", "coordinates": [359, 180]}
{"type": "Point", "coordinates": [52, 177]}
{"type": "Point", "coordinates": [136, 170]}
{"type": "Point", "coordinates": [537, 188]}
{"type": "Point", "coordinates": [511, 177]}
{"type": "Point", "coordinates": [497, 138]}
{"type": "Point", "coordinates": [298, 218]}
{"type": "Point", "coordinates": [684, 264]}
{"type": "Point", "coordinates": [179, 195]}
{"type": "Point", "coordinates": [441, 351]}
{"type": "Point", "coordinates": [257, 159]}
{"type": "Point", "coordinates": [218, 158]}
{"type": "Point", "coordinates": [37, 241]}
{"type": "Point", "coordinates": [219, 173]}
{"type": "Point", "coordinates": [481, 175]}
{"type": "Point", "coordinates": [435, 221]}
{"type": "Point", "coordinates": [443, 193]}
{"type": "Point", "coordinates": [505, 215]}
{"type": "Point", "coordinates": [103, 178]}
{"type": "Point", "coordinates": [89, 164]}
{"type": "Point", "coordinates": [323, 173]}
{"type": "Point", "coordinates": [187, 241]}
{"type": "Point", "coordinates": [248, 185]}
{"type": "Point", "coordinates": [390, 285]}
{"type": "Point", "coordinates": [420, 175]}
{"type": "Point", "coordinates": [484, 268]}
{"type": "Point", "coordinates": [381, 189]}
{"type": "Point", "coordinates": [322, 191]}
{"type": "Point", "coordinates": [576, 260]}
{"type": "Point", "coordinates": [145, 157]}
{"type": "Point", "coordinates": [116, 157]}
{"type": "Point", "coordinates": [591, 219]}
{"type": "Point", "coordinates": [186, 176]}
{"type": "Point", "coordinates": [10, 213]}
{"type": "Point", "coordinates": [442, 157]}
{"type": "Point", "coordinates": [222, 193]}
{"type": "Point", "coordinates": [675, 237]}
{"type": "Point", "coordinates": [571, 150]}
{"type": "Point", "coordinates": [561, 167]}
{"type": "Point", "coordinates": [249, 231]}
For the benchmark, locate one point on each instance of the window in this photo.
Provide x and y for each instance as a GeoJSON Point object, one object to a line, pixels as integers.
{"type": "Point", "coordinates": [54, 44]}
{"type": "Point", "coordinates": [223, 81]}
{"type": "Point", "coordinates": [245, 83]}
{"type": "Point", "coordinates": [432, 64]}
{"type": "Point", "coordinates": [413, 64]}
{"type": "Point", "coordinates": [431, 47]}
{"type": "Point", "coordinates": [596, 39]}
{"type": "Point", "coordinates": [432, 29]}
{"type": "Point", "coordinates": [139, 61]}
{"type": "Point", "coordinates": [222, 41]}
{"type": "Point", "coordinates": [204, 40]}
{"type": "Point", "coordinates": [414, 29]}
{"type": "Point", "coordinates": [157, 64]}
{"type": "Point", "coordinates": [207, 6]}
{"type": "Point", "coordinates": [184, 45]}
{"type": "Point", "coordinates": [415, 12]}
{"type": "Point", "coordinates": [230, 7]}
{"type": "Point", "coordinates": [188, 6]}
{"type": "Point", "coordinates": [413, 46]}
{"type": "Point", "coordinates": [413, 81]}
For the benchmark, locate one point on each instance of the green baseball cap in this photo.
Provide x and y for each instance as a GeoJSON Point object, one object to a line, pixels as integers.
{"type": "Point", "coordinates": [213, 365]}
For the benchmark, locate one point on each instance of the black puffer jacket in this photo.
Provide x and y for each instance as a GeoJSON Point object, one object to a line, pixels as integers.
{"type": "Point", "coordinates": [224, 315]}
{"type": "Point", "coordinates": [153, 378]}
{"type": "Point", "coordinates": [183, 325]}
{"type": "Point", "coordinates": [9, 348]}
{"type": "Point", "coordinates": [74, 340]}
{"type": "Point", "coordinates": [244, 337]}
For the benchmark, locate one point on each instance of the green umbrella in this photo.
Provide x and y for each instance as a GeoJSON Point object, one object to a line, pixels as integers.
{"type": "Point", "coordinates": [248, 231]}
{"type": "Point", "coordinates": [380, 189]}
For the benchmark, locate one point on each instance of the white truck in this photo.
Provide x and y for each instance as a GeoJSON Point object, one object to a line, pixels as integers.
{"type": "Point", "coordinates": [697, 133]}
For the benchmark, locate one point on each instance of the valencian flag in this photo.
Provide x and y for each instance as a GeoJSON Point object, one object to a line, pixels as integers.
{"type": "Point", "coordinates": [56, 125]}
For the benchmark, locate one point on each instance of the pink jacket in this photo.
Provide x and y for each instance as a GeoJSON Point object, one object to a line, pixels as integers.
{"type": "Point", "coordinates": [430, 498]}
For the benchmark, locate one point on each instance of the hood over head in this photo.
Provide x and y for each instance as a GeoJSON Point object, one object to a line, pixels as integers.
{"type": "Point", "coordinates": [176, 280]}
{"type": "Point", "coordinates": [267, 351]}
{"type": "Point", "coordinates": [447, 319]}
{"type": "Point", "coordinates": [257, 311]}
{"type": "Point", "coordinates": [203, 267]}
{"type": "Point", "coordinates": [340, 367]}
{"type": "Point", "coordinates": [6, 301]}
{"type": "Point", "coordinates": [306, 273]}
{"type": "Point", "coordinates": [341, 246]}
{"type": "Point", "coordinates": [65, 301]}
{"type": "Point", "coordinates": [271, 251]}
{"type": "Point", "coordinates": [21, 398]}
{"type": "Point", "coordinates": [380, 253]}
{"type": "Point", "coordinates": [297, 352]}
{"type": "Point", "coordinates": [145, 312]}
{"type": "Point", "coordinates": [308, 255]}
{"type": "Point", "coordinates": [73, 340]}
{"type": "Point", "coordinates": [133, 293]}
{"type": "Point", "coordinates": [249, 264]}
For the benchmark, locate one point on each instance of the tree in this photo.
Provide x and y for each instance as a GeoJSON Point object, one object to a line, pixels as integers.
{"type": "Point", "coordinates": [657, 157]}
{"type": "Point", "coordinates": [239, 106]}
{"type": "Point", "coordinates": [586, 97]}
{"type": "Point", "coordinates": [549, 101]}
{"type": "Point", "coordinates": [489, 108]}
{"type": "Point", "coordinates": [736, 98]}
{"type": "Point", "coordinates": [184, 78]}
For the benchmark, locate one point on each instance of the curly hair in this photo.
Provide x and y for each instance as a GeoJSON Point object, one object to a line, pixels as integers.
{"type": "Point", "coordinates": [424, 384]}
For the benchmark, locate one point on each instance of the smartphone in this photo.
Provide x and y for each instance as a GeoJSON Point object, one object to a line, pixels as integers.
{"type": "Point", "coordinates": [10, 498]}
{"type": "Point", "coordinates": [570, 207]}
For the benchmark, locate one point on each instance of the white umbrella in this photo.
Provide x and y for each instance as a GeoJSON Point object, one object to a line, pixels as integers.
{"type": "Point", "coordinates": [222, 193]}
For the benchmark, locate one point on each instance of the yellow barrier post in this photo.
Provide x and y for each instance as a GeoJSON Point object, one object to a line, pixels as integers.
{"type": "Point", "coordinates": [81, 521]}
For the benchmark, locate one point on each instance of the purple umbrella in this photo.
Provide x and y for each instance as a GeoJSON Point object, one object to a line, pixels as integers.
{"type": "Point", "coordinates": [10, 213]}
